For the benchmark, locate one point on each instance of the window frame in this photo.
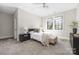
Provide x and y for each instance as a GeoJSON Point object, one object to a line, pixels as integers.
{"type": "Point", "coordinates": [54, 28]}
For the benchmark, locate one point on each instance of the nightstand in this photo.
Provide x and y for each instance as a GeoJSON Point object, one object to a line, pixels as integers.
{"type": "Point", "coordinates": [24, 37]}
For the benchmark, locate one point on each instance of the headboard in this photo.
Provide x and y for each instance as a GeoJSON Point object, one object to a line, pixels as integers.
{"type": "Point", "coordinates": [33, 29]}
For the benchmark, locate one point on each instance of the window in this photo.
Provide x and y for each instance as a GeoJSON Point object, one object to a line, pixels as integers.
{"type": "Point", "coordinates": [55, 23]}
{"type": "Point", "coordinates": [50, 24]}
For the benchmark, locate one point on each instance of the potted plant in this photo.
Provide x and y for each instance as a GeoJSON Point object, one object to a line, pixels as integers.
{"type": "Point", "coordinates": [74, 26]}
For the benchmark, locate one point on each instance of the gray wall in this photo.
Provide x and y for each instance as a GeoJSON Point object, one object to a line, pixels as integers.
{"type": "Point", "coordinates": [28, 20]}
{"type": "Point", "coordinates": [6, 25]}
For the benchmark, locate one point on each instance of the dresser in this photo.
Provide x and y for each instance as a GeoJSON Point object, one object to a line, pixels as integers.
{"type": "Point", "coordinates": [74, 41]}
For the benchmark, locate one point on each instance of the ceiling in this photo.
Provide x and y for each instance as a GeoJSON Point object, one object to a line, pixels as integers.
{"type": "Point", "coordinates": [7, 9]}
{"type": "Point", "coordinates": [37, 8]}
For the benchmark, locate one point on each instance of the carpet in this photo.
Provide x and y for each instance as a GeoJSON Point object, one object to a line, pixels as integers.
{"type": "Point", "coordinates": [31, 47]}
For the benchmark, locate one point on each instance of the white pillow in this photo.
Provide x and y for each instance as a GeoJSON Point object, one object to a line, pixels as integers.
{"type": "Point", "coordinates": [25, 29]}
{"type": "Point", "coordinates": [31, 32]}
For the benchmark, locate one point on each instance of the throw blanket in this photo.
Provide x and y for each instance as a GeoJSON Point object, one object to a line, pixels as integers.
{"type": "Point", "coordinates": [48, 38]}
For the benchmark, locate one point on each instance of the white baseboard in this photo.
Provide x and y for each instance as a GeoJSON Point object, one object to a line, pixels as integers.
{"type": "Point", "coordinates": [6, 37]}
{"type": "Point", "coordinates": [64, 38]}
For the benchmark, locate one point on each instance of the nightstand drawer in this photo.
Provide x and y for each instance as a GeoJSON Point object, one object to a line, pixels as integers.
{"type": "Point", "coordinates": [25, 35]}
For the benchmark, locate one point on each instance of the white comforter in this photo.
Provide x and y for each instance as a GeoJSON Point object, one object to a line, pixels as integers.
{"type": "Point", "coordinates": [41, 36]}
{"type": "Point", "coordinates": [37, 36]}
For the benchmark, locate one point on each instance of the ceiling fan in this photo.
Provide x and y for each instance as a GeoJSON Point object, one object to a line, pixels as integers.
{"type": "Point", "coordinates": [43, 5]}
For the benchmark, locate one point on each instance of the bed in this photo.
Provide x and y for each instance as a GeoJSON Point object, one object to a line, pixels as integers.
{"type": "Point", "coordinates": [35, 34]}
{"type": "Point", "coordinates": [44, 37]}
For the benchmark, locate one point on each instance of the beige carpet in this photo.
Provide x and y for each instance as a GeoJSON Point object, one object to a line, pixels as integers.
{"type": "Point", "coordinates": [30, 47]}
